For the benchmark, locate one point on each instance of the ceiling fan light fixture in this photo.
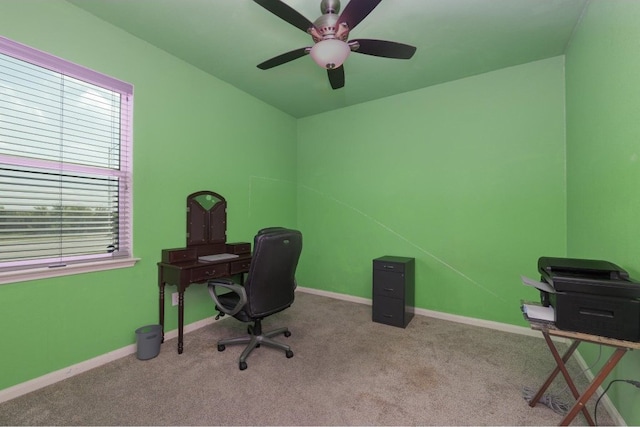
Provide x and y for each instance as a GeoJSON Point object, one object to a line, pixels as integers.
{"type": "Point", "coordinates": [330, 53]}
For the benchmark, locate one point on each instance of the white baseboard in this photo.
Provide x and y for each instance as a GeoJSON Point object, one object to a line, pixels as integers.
{"type": "Point", "coordinates": [59, 375]}
{"type": "Point", "coordinates": [70, 371]}
{"type": "Point", "coordinates": [430, 313]}
{"type": "Point", "coordinates": [62, 374]}
{"type": "Point", "coordinates": [334, 295]}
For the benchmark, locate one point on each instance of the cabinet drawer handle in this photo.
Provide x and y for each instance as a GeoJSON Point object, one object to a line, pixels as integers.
{"type": "Point", "coordinates": [388, 315]}
{"type": "Point", "coordinates": [390, 267]}
{"type": "Point", "coordinates": [388, 289]}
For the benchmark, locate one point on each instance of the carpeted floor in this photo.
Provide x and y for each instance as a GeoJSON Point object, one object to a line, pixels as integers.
{"type": "Point", "coordinates": [347, 370]}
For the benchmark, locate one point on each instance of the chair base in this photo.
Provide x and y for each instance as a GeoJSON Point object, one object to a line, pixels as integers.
{"type": "Point", "coordinates": [255, 339]}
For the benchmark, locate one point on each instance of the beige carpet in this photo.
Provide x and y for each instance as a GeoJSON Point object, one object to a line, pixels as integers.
{"type": "Point", "coordinates": [346, 370]}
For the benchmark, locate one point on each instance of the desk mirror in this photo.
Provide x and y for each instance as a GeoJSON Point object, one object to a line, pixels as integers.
{"type": "Point", "coordinates": [206, 218]}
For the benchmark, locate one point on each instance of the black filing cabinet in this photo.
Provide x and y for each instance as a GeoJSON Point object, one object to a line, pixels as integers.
{"type": "Point", "coordinates": [393, 290]}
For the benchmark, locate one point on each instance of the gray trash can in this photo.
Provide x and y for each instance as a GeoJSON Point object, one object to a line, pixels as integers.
{"type": "Point", "coordinates": [148, 339]}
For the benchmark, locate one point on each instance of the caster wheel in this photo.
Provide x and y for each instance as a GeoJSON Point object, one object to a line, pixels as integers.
{"type": "Point", "coordinates": [287, 334]}
{"type": "Point", "coordinates": [257, 345]}
{"type": "Point", "coordinates": [289, 354]}
{"type": "Point", "coordinates": [221, 347]}
{"type": "Point", "coordinates": [243, 366]}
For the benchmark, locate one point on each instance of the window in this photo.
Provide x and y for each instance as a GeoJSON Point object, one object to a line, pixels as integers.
{"type": "Point", "coordinates": [65, 167]}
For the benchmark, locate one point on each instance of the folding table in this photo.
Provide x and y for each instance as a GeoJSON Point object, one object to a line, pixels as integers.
{"type": "Point", "coordinates": [548, 330]}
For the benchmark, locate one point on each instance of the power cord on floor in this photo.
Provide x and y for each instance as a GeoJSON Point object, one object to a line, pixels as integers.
{"type": "Point", "coordinates": [555, 403]}
{"type": "Point", "coordinates": [595, 411]}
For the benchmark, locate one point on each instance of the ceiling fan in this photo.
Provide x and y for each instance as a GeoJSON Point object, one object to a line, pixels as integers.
{"type": "Point", "coordinates": [330, 33]}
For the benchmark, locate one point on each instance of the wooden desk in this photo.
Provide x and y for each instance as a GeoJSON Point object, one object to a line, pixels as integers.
{"type": "Point", "coordinates": [183, 273]}
{"type": "Point", "coordinates": [206, 235]}
{"type": "Point", "coordinates": [548, 330]}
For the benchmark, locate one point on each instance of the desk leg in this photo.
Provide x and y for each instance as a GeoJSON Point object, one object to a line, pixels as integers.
{"type": "Point", "coordinates": [567, 355]}
{"type": "Point", "coordinates": [565, 373]}
{"type": "Point", "coordinates": [161, 301]}
{"type": "Point", "coordinates": [180, 319]}
{"type": "Point", "coordinates": [597, 380]}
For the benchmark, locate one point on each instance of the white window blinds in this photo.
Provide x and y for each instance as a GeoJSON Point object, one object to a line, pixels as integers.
{"type": "Point", "coordinates": [65, 161]}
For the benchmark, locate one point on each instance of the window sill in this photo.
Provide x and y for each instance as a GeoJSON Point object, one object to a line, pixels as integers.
{"type": "Point", "coordinates": [44, 273]}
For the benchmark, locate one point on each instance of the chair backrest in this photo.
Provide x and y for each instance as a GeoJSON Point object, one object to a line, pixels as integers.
{"type": "Point", "coordinates": [271, 280]}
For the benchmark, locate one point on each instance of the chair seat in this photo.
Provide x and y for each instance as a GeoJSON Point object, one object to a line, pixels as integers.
{"type": "Point", "coordinates": [230, 300]}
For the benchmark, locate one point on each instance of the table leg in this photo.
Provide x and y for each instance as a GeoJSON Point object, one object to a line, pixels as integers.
{"type": "Point", "coordinates": [161, 301]}
{"type": "Point", "coordinates": [597, 380]}
{"type": "Point", "coordinates": [180, 319]}
{"type": "Point", "coordinates": [567, 355]}
{"type": "Point", "coordinates": [565, 373]}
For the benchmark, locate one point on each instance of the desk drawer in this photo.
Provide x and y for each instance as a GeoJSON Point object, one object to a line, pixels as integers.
{"type": "Point", "coordinates": [171, 256]}
{"type": "Point", "coordinates": [388, 264]}
{"type": "Point", "coordinates": [241, 266]}
{"type": "Point", "coordinates": [238, 248]}
{"type": "Point", "coordinates": [201, 274]}
{"type": "Point", "coordinates": [388, 283]}
{"type": "Point", "coordinates": [389, 311]}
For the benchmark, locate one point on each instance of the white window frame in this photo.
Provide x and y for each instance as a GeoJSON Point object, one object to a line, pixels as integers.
{"type": "Point", "coordinates": [14, 272]}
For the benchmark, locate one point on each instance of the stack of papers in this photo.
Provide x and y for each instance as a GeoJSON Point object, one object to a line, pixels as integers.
{"type": "Point", "coordinates": [538, 312]}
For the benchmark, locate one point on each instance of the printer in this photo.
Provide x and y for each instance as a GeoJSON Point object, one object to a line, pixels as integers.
{"type": "Point", "coordinates": [592, 296]}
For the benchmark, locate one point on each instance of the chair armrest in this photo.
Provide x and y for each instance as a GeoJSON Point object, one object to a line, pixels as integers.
{"type": "Point", "coordinates": [227, 284]}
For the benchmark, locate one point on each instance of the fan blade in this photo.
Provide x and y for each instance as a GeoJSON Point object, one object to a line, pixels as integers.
{"type": "Point", "coordinates": [356, 11]}
{"type": "Point", "coordinates": [336, 77]}
{"type": "Point", "coordinates": [284, 58]}
{"type": "Point", "coordinates": [383, 48]}
{"type": "Point", "coordinates": [286, 13]}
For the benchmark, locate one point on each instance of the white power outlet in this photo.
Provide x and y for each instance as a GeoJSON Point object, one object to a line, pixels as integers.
{"type": "Point", "coordinates": [174, 298]}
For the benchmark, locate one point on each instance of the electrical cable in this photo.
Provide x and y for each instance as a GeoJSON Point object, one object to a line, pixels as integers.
{"type": "Point", "coordinates": [595, 411]}
{"type": "Point", "coordinates": [555, 403]}
{"type": "Point", "coordinates": [587, 368]}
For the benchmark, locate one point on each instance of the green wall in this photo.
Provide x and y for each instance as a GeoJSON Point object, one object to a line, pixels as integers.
{"type": "Point", "coordinates": [468, 177]}
{"type": "Point", "coordinates": [191, 132]}
{"type": "Point", "coordinates": [603, 164]}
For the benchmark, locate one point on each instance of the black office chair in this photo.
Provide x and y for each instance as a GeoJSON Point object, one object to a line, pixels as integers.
{"type": "Point", "coordinates": [269, 289]}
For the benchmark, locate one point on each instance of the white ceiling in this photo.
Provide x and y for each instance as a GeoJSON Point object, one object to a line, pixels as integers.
{"type": "Point", "coordinates": [454, 39]}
